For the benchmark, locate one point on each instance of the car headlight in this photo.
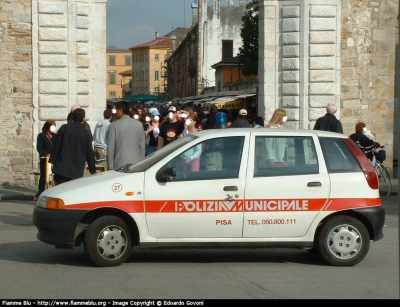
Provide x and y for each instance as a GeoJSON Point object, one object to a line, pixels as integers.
{"type": "Point", "coordinates": [51, 203]}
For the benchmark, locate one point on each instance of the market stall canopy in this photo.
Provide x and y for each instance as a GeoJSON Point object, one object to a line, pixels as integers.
{"type": "Point", "coordinates": [222, 99]}
{"type": "Point", "coordinates": [228, 103]}
{"type": "Point", "coordinates": [245, 96]}
{"type": "Point", "coordinates": [141, 98]}
{"type": "Point", "coordinates": [234, 104]}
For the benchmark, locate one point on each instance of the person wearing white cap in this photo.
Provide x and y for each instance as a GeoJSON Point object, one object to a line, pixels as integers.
{"type": "Point", "coordinates": [242, 121]}
{"type": "Point", "coordinates": [170, 130]}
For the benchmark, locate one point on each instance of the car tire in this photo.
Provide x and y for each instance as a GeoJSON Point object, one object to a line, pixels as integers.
{"type": "Point", "coordinates": [107, 242]}
{"type": "Point", "coordinates": [343, 241]}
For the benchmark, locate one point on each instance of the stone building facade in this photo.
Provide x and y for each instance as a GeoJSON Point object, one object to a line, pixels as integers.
{"type": "Point", "coordinates": [118, 61]}
{"type": "Point", "coordinates": [218, 22]}
{"type": "Point", "coordinates": [52, 55]}
{"type": "Point", "coordinates": [343, 51]}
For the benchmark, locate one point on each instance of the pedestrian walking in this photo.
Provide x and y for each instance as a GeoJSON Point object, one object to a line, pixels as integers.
{"type": "Point", "coordinates": [72, 149]}
{"type": "Point", "coordinates": [126, 138]}
{"type": "Point", "coordinates": [152, 132]}
{"type": "Point", "coordinates": [44, 144]}
{"type": "Point", "coordinates": [100, 138]}
{"type": "Point", "coordinates": [276, 148]}
{"type": "Point", "coordinates": [329, 122]}
{"type": "Point", "coordinates": [241, 121]}
{"type": "Point", "coordinates": [70, 119]}
{"type": "Point", "coordinates": [170, 130]}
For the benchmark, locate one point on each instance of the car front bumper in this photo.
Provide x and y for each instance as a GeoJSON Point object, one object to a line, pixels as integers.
{"type": "Point", "coordinates": [57, 227]}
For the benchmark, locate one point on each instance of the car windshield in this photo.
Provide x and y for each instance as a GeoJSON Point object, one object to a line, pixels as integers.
{"type": "Point", "coordinates": [153, 158]}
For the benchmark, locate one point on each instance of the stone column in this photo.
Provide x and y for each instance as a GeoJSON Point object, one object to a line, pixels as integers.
{"type": "Point", "coordinates": [69, 63]}
{"type": "Point", "coordinates": [299, 54]}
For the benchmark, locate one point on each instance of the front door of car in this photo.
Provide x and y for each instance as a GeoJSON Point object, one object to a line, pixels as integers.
{"type": "Point", "coordinates": [205, 198]}
{"type": "Point", "coordinates": [283, 198]}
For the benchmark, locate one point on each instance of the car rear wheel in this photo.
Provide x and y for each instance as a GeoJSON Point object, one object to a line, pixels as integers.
{"type": "Point", "coordinates": [343, 241]}
{"type": "Point", "coordinates": [107, 242]}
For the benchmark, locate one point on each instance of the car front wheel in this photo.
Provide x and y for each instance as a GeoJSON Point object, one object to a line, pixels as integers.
{"type": "Point", "coordinates": [107, 242]}
{"type": "Point", "coordinates": [343, 241]}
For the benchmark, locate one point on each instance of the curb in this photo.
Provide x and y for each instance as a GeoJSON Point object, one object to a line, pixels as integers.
{"type": "Point", "coordinates": [16, 197]}
{"type": "Point", "coordinates": [8, 192]}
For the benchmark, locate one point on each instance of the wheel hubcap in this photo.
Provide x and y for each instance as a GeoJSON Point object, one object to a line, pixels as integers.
{"type": "Point", "coordinates": [344, 241]}
{"type": "Point", "coordinates": [111, 242]}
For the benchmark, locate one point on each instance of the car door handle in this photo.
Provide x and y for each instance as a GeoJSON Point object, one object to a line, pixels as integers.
{"type": "Point", "coordinates": [230, 188]}
{"type": "Point", "coordinates": [314, 184]}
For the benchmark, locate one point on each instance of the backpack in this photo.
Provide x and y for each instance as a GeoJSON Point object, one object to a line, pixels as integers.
{"type": "Point", "coordinates": [381, 155]}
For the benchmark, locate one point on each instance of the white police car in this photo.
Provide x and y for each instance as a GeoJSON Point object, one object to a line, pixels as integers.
{"type": "Point", "coordinates": [239, 187]}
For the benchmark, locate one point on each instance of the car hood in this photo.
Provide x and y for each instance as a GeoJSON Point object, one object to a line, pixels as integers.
{"type": "Point", "coordinates": [100, 187]}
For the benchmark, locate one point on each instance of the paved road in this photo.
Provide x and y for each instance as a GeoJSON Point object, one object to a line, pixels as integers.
{"type": "Point", "coordinates": [34, 270]}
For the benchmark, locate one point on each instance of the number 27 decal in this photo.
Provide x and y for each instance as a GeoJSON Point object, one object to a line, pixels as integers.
{"type": "Point", "coordinates": [116, 187]}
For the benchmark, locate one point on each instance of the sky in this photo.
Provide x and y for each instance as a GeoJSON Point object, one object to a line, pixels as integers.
{"type": "Point", "coordinates": [133, 22]}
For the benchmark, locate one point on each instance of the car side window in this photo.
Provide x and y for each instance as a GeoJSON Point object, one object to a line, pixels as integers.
{"type": "Point", "coordinates": [281, 156]}
{"type": "Point", "coordinates": [217, 158]}
{"type": "Point", "coordinates": [338, 156]}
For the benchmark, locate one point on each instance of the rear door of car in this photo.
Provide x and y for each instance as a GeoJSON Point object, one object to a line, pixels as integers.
{"type": "Point", "coordinates": [282, 201]}
{"type": "Point", "coordinates": [204, 203]}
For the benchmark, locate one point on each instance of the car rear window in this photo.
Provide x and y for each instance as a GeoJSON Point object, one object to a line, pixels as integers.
{"type": "Point", "coordinates": [338, 156]}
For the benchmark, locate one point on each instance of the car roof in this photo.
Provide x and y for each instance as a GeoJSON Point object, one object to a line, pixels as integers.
{"type": "Point", "coordinates": [293, 132]}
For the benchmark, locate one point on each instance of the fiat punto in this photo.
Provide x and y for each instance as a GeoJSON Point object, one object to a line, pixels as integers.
{"type": "Point", "coordinates": [241, 187]}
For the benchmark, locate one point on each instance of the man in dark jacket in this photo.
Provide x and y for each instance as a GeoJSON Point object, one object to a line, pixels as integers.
{"type": "Point", "coordinates": [70, 119]}
{"type": "Point", "coordinates": [71, 150]}
{"type": "Point", "coordinates": [211, 122]}
{"type": "Point", "coordinates": [329, 122]}
{"type": "Point", "coordinates": [242, 121]}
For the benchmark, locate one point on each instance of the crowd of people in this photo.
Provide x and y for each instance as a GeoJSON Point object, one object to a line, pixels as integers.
{"type": "Point", "coordinates": [127, 133]}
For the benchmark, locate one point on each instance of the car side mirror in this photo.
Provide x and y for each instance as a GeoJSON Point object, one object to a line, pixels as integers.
{"type": "Point", "coordinates": [165, 174]}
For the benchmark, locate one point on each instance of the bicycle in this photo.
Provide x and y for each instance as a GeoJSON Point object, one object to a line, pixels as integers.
{"type": "Point", "coordinates": [385, 183]}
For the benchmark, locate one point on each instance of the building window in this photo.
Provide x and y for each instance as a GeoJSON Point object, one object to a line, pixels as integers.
{"type": "Point", "coordinates": [128, 61]}
{"type": "Point", "coordinates": [227, 49]}
{"type": "Point", "coordinates": [157, 89]}
{"type": "Point", "coordinates": [113, 94]}
{"type": "Point", "coordinates": [130, 83]}
{"type": "Point", "coordinates": [156, 75]}
{"type": "Point", "coordinates": [156, 57]}
{"type": "Point", "coordinates": [111, 60]}
{"type": "Point", "coordinates": [112, 77]}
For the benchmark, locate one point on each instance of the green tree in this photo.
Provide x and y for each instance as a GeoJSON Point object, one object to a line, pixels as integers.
{"type": "Point", "coordinates": [248, 53]}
